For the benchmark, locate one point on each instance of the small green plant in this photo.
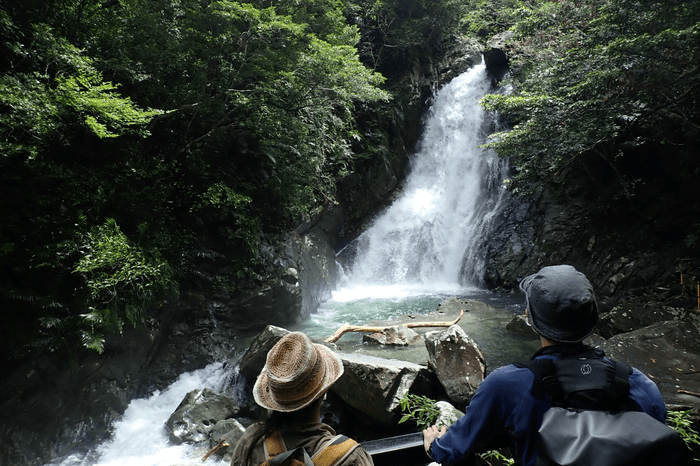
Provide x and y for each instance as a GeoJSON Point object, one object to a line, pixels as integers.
{"type": "Point", "coordinates": [423, 411]}
{"type": "Point", "coordinates": [681, 423]}
{"type": "Point", "coordinates": [420, 409]}
{"type": "Point", "coordinates": [494, 457]}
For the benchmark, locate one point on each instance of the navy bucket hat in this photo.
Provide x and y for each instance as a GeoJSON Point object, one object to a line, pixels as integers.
{"type": "Point", "coordinates": [561, 304]}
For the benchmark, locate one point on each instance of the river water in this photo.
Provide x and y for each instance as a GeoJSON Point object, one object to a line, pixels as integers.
{"type": "Point", "coordinates": [422, 250]}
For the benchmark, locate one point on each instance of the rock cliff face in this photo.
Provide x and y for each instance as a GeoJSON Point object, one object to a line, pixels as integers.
{"type": "Point", "coordinates": [620, 256]}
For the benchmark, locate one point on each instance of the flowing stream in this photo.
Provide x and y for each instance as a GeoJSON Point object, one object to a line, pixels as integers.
{"type": "Point", "coordinates": [420, 251]}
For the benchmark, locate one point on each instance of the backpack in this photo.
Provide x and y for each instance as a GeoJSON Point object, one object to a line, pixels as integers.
{"type": "Point", "coordinates": [331, 453]}
{"type": "Point", "coordinates": [588, 424]}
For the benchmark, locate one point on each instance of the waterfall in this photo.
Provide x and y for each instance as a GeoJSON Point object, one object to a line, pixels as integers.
{"type": "Point", "coordinates": [430, 237]}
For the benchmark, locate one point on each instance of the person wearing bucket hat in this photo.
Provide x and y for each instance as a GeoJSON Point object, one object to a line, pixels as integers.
{"type": "Point", "coordinates": [508, 407]}
{"type": "Point", "coordinates": [292, 385]}
{"type": "Point", "coordinates": [560, 304]}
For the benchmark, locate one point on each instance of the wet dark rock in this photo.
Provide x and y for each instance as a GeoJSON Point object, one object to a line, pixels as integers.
{"type": "Point", "coordinates": [198, 414]}
{"type": "Point", "coordinates": [229, 431]}
{"type": "Point", "coordinates": [318, 273]}
{"type": "Point", "coordinates": [519, 326]}
{"type": "Point", "coordinates": [495, 55]}
{"type": "Point", "coordinates": [278, 303]}
{"type": "Point", "coordinates": [634, 315]}
{"type": "Point", "coordinates": [457, 361]}
{"type": "Point", "coordinates": [397, 336]}
{"type": "Point", "coordinates": [255, 356]}
{"type": "Point", "coordinates": [669, 353]}
{"type": "Point", "coordinates": [51, 409]}
{"type": "Point", "coordinates": [382, 383]}
{"type": "Point", "coordinates": [615, 248]}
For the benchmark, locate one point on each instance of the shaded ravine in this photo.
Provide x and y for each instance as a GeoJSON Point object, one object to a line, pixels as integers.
{"type": "Point", "coordinates": [421, 250]}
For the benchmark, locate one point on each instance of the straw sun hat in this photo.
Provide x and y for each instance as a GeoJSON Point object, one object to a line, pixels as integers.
{"type": "Point", "coordinates": [296, 373]}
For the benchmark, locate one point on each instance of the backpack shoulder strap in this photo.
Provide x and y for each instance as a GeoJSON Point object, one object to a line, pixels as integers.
{"type": "Point", "coordinates": [620, 384]}
{"type": "Point", "coordinates": [277, 454]}
{"type": "Point", "coordinates": [274, 444]}
{"type": "Point", "coordinates": [335, 451]}
{"type": "Point", "coordinates": [332, 453]}
{"type": "Point", "coordinates": [546, 381]}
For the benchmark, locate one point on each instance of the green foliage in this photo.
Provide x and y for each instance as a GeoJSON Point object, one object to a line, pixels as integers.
{"type": "Point", "coordinates": [396, 30]}
{"type": "Point", "coordinates": [106, 114]}
{"type": "Point", "coordinates": [57, 89]}
{"type": "Point", "coordinates": [121, 277]}
{"type": "Point", "coordinates": [598, 80]}
{"type": "Point", "coordinates": [420, 409]}
{"type": "Point", "coordinates": [164, 141]}
{"type": "Point", "coordinates": [681, 423]}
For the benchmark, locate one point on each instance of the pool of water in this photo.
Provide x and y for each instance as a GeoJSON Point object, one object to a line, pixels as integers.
{"type": "Point", "coordinates": [484, 323]}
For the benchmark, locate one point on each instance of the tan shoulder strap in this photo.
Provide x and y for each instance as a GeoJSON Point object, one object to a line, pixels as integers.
{"type": "Point", "coordinates": [274, 444]}
{"type": "Point", "coordinates": [276, 452]}
{"type": "Point", "coordinates": [331, 454]}
{"type": "Point", "coordinates": [335, 451]}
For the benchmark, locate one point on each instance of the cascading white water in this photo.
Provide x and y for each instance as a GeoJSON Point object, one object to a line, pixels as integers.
{"type": "Point", "coordinates": [426, 240]}
{"type": "Point", "coordinates": [140, 438]}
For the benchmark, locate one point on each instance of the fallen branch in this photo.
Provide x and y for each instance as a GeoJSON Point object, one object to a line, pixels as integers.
{"type": "Point", "coordinates": [222, 444]}
{"type": "Point", "coordinates": [688, 392]}
{"type": "Point", "coordinates": [346, 327]}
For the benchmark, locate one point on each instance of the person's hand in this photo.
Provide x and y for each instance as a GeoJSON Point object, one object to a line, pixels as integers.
{"type": "Point", "coordinates": [430, 434]}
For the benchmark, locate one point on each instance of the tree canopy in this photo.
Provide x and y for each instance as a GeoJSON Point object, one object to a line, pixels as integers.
{"type": "Point", "coordinates": [142, 138]}
{"type": "Point", "coordinates": [605, 78]}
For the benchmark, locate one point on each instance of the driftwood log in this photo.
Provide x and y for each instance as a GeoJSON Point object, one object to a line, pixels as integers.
{"type": "Point", "coordinates": [346, 327]}
{"type": "Point", "coordinates": [222, 444]}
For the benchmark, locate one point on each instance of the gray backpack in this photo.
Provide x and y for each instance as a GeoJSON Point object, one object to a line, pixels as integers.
{"type": "Point", "coordinates": [587, 423]}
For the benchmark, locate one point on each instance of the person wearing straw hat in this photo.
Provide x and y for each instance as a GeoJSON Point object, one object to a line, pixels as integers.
{"type": "Point", "coordinates": [292, 384]}
{"type": "Point", "coordinates": [510, 404]}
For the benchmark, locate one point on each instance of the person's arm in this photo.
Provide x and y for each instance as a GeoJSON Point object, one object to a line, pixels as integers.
{"type": "Point", "coordinates": [647, 395]}
{"type": "Point", "coordinates": [487, 415]}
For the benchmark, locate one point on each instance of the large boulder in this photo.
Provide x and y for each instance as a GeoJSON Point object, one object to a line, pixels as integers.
{"type": "Point", "coordinates": [632, 315]}
{"type": "Point", "coordinates": [518, 325]}
{"type": "Point", "coordinates": [458, 362]}
{"type": "Point", "coordinates": [314, 257]}
{"type": "Point", "coordinates": [254, 358]}
{"type": "Point", "coordinates": [669, 353]}
{"type": "Point", "coordinates": [448, 413]}
{"type": "Point", "coordinates": [374, 386]}
{"type": "Point", "coordinates": [226, 432]}
{"type": "Point", "coordinates": [198, 414]}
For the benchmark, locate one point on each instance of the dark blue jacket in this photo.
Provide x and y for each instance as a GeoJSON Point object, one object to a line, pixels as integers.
{"type": "Point", "coordinates": [503, 404]}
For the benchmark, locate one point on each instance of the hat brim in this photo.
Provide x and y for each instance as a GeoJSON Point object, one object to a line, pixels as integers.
{"type": "Point", "coordinates": [334, 369]}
